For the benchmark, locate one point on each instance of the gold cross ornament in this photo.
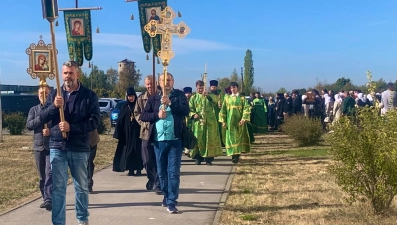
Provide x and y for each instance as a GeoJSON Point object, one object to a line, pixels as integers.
{"type": "Point", "coordinates": [166, 28]}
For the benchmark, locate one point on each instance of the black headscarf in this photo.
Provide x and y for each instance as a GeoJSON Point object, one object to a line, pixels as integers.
{"type": "Point", "coordinates": [131, 91]}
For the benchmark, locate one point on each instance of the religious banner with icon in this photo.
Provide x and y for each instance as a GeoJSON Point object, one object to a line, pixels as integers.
{"type": "Point", "coordinates": [79, 35]}
{"type": "Point", "coordinates": [41, 62]}
{"type": "Point", "coordinates": [150, 10]}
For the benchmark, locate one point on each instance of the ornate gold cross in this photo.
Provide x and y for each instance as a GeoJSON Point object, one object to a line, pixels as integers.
{"type": "Point", "coordinates": [166, 28]}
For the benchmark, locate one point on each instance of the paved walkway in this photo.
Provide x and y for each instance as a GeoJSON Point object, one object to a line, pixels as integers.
{"type": "Point", "coordinates": [122, 200]}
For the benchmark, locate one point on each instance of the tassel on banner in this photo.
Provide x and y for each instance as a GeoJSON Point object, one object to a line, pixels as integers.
{"type": "Point", "coordinates": [56, 23]}
{"type": "Point", "coordinates": [179, 14]}
{"type": "Point", "coordinates": [97, 30]}
{"type": "Point", "coordinates": [132, 16]}
{"type": "Point", "coordinates": [158, 60]}
{"type": "Point", "coordinates": [89, 64]}
{"type": "Point", "coordinates": [147, 56]}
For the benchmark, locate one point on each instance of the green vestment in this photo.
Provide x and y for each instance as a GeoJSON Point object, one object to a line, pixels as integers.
{"type": "Point", "coordinates": [207, 130]}
{"type": "Point", "coordinates": [234, 109]}
{"type": "Point", "coordinates": [260, 116]}
{"type": "Point", "coordinates": [218, 98]}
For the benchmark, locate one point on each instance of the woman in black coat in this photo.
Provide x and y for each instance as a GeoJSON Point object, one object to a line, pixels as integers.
{"type": "Point", "coordinates": [128, 152]}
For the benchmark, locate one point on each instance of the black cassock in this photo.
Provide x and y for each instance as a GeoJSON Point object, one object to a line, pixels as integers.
{"type": "Point", "coordinates": [128, 152]}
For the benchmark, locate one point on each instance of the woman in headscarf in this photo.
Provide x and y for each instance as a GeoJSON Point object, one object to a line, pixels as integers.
{"type": "Point", "coordinates": [337, 111]}
{"type": "Point", "coordinates": [128, 152]}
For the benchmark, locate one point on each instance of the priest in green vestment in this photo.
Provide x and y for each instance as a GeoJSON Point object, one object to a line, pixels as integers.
{"type": "Point", "coordinates": [259, 109]}
{"type": "Point", "coordinates": [234, 115]}
{"type": "Point", "coordinates": [189, 121]}
{"type": "Point", "coordinates": [205, 126]}
{"type": "Point", "coordinates": [217, 96]}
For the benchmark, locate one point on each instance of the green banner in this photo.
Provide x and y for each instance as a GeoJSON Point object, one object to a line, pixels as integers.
{"type": "Point", "coordinates": [150, 10]}
{"type": "Point", "coordinates": [79, 34]}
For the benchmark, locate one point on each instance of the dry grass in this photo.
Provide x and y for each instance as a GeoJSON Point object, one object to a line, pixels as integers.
{"type": "Point", "coordinates": [278, 183]}
{"type": "Point", "coordinates": [18, 173]}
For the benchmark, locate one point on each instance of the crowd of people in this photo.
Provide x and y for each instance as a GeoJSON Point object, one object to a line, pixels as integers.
{"type": "Point", "coordinates": [151, 127]}
{"type": "Point", "coordinates": [325, 106]}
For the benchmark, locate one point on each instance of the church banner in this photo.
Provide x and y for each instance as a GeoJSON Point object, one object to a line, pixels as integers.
{"type": "Point", "coordinates": [150, 10]}
{"type": "Point", "coordinates": [79, 35]}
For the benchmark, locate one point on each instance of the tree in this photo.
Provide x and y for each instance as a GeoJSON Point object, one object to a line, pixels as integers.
{"type": "Point", "coordinates": [112, 77]}
{"type": "Point", "coordinates": [248, 71]}
{"type": "Point", "coordinates": [84, 79]}
{"type": "Point", "coordinates": [282, 90]}
{"type": "Point", "coordinates": [128, 78]}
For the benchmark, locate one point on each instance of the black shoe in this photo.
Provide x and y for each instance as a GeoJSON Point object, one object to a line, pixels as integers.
{"type": "Point", "coordinates": [197, 162]}
{"type": "Point", "coordinates": [48, 206]}
{"type": "Point", "coordinates": [139, 173]}
{"type": "Point", "coordinates": [42, 205]}
{"type": "Point", "coordinates": [90, 190]}
{"type": "Point", "coordinates": [158, 191]}
{"type": "Point", "coordinates": [149, 185]}
{"type": "Point", "coordinates": [209, 163]}
{"type": "Point", "coordinates": [131, 173]}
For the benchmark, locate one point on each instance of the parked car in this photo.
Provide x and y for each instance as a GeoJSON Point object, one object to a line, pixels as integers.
{"type": "Point", "coordinates": [106, 106]}
{"type": "Point", "coordinates": [116, 112]}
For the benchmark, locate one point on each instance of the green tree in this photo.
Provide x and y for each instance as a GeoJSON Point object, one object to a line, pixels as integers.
{"type": "Point", "coordinates": [248, 71]}
{"type": "Point", "coordinates": [282, 90]}
{"type": "Point", "coordinates": [84, 79]}
{"type": "Point", "coordinates": [112, 77]}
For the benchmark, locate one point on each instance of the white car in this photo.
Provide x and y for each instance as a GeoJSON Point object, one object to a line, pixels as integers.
{"type": "Point", "coordinates": [106, 106]}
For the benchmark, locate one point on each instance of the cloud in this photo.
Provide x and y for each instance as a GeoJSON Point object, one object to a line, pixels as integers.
{"type": "Point", "coordinates": [185, 45]}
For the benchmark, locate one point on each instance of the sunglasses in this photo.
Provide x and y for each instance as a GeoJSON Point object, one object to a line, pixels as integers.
{"type": "Point", "coordinates": [71, 63]}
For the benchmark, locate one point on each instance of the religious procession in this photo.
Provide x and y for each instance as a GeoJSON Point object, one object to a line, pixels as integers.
{"type": "Point", "coordinates": [171, 147]}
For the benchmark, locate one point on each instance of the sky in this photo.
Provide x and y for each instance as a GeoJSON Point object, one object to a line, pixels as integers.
{"type": "Point", "coordinates": [294, 42]}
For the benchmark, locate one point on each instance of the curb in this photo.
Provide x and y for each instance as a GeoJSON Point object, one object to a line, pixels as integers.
{"type": "Point", "coordinates": [224, 196]}
{"type": "Point", "coordinates": [36, 198]}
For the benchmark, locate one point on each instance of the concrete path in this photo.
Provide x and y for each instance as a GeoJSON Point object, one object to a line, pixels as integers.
{"type": "Point", "coordinates": [122, 200]}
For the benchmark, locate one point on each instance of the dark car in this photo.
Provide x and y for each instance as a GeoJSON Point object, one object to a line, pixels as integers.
{"type": "Point", "coordinates": [115, 113]}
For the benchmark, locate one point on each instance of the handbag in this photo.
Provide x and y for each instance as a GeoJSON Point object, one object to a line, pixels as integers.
{"type": "Point", "coordinates": [189, 141]}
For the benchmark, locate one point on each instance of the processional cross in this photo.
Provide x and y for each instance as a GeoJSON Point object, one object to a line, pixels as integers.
{"type": "Point", "coordinates": [166, 28]}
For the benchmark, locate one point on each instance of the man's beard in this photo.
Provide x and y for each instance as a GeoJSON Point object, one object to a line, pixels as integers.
{"type": "Point", "coordinates": [69, 84]}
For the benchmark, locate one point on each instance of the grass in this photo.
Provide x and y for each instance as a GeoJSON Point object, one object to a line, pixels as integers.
{"type": "Point", "coordinates": [18, 173]}
{"type": "Point", "coordinates": [278, 183]}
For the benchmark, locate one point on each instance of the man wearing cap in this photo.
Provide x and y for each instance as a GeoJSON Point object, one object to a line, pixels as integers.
{"type": "Point", "coordinates": [205, 126]}
{"type": "Point", "coordinates": [217, 96]}
{"type": "Point", "coordinates": [189, 121]}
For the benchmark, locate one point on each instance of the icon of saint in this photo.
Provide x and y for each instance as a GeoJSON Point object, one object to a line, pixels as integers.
{"type": "Point", "coordinates": [154, 16]}
{"type": "Point", "coordinates": [76, 31]}
{"type": "Point", "coordinates": [42, 64]}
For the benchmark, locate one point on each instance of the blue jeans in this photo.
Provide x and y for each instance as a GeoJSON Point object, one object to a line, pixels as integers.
{"type": "Point", "coordinates": [168, 159]}
{"type": "Point", "coordinates": [77, 162]}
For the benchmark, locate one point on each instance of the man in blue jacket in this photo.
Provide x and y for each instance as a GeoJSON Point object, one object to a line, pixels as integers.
{"type": "Point", "coordinates": [82, 116]}
{"type": "Point", "coordinates": [166, 115]}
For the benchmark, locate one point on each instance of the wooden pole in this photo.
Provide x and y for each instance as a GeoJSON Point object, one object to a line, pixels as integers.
{"type": "Point", "coordinates": [154, 88]}
{"type": "Point", "coordinates": [54, 54]}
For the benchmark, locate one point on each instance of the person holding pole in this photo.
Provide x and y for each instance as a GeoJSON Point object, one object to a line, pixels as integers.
{"type": "Point", "coordinates": [81, 110]}
{"type": "Point", "coordinates": [41, 138]}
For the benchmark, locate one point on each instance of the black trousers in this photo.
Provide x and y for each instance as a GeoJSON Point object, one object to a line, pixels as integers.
{"type": "Point", "coordinates": [91, 165]}
{"type": "Point", "coordinates": [149, 162]}
{"type": "Point", "coordinates": [43, 165]}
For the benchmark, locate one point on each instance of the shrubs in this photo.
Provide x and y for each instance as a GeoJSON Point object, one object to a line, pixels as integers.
{"type": "Point", "coordinates": [365, 151]}
{"type": "Point", "coordinates": [304, 130]}
{"type": "Point", "coordinates": [104, 125]}
{"type": "Point", "coordinates": [15, 122]}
